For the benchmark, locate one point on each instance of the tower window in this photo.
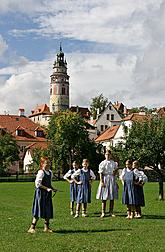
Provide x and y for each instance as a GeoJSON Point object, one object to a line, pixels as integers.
{"type": "Point", "coordinates": [63, 91]}
{"type": "Point", "coordinates": [51, 91]}
{"type": "Point", "coordinates": [107, 116]}
{"type": "Point", "coordinates": [102, 127]}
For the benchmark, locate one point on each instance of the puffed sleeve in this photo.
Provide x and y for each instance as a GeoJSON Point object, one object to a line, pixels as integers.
{"type": "Point", "coordinates": [39, 177]}
{"type": "Point", "coordinates": [101, 167]}
{"type": "Point", "coordinates": [75, 174]}
{"type": "Point", "coordinates": [122, 175]}
{"type": "Point", "coordinates": [92, 175]}
{"type": "Point", "coordinates": [144, 178]}
{"type": "Point", "coordinates": [67, 175]}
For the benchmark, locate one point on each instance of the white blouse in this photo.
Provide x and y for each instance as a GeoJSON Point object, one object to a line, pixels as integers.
{"type": "Point", "coordinates": [140, 175]}
{"type": "Point", "coordinates": [69, 173]}
{"type": "Point", "coordinates": [107, 167]}
{"type": "Point", "coordinates": [39, 177]}
{"type": "Point", "coordinates": [77, 172]}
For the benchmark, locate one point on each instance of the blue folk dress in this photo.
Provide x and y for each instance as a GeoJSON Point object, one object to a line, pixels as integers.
{"type": "Point", "coordinates": [73, 185]}
{"type": "Point", "coordinates": [84, 190]}
{"type": "Point", "coordinates": [73, 189]}
{"type": "Point", "coordinates": [138, 189]}
{"type": "Point", "coordinates": [128, 190]}
{"type": "Point", "coordinates": [42, 204]}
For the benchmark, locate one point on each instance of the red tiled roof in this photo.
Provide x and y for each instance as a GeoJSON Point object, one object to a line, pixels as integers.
{"type": "Point", "coordinates": [118, 106]}
{"type": "Point", "coordinates": [160, 111]}
{"type": "Point", "coordinates": [14, 122]}
{"type": "Point", "coordinates": [83, 111]}
{"type": "Point", "coordinates": [31, 147]}
{"type": "Point", "coordinates": [136, 117]}
{"type": "Point", "coordinates": [40, 110]}
{"type": "Point", "coordinates": [41, 145]}
{"type": "Point", "coordinates": [109, 133]}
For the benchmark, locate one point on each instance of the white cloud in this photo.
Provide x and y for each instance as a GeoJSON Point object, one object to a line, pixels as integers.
{"type": "Point", "coordinates": [119, 22]}
{"type": "Point", "coordinates": [26, 87]}
{"type": "Point", "coordinates": [124, 23]}
{"type": "Point", "coordinates": [93, 74]}
{"type": "Point", "coordinates": [23, 6]}
{"type": "Point", "coordinates": [3, 46]}
{"type": "Point", "coordinates": [149, 74]}
{"type": "Point", "coordinates": [90, 75]}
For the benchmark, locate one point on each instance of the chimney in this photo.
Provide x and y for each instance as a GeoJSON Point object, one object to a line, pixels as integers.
{"type": "Point", "coordinates": [77, 109]}
{"type": "Point", "coordinates": [21, 112]}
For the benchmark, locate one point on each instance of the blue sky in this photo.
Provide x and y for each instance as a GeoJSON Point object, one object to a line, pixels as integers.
{"type": "Point", "coordinates": [114, 47]}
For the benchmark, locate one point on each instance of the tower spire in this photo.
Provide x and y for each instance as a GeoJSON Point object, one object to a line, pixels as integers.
{"type": "Point", "coordinates": [60, 46]}
{"type": "Point", "coordinates": [59, 85]}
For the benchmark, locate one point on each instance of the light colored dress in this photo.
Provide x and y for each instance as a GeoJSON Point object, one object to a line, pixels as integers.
{"type": "Point", "coordinates": [106, 168]}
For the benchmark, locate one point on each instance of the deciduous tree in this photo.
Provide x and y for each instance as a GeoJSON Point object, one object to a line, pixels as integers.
{"type": "Point", "coordinates": [145, 142]}
{"type": "Point", "coordinates": [98, 103]}
{"type": "Point", "coordinates": [69, 140]}
{"type": "Point", "coordinates": [8, 152]}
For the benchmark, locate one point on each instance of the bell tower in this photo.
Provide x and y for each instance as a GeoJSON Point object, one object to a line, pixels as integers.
{"type": "Point", "coordinates": [59, 84]}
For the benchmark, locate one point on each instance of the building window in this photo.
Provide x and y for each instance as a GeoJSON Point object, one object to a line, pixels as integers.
{"type": "Point", "coordinates": [22, 148]}
{"type": "Point", "coordinates": [63, 91]}
{"type": "Point", "coordinates": [106, 126]}
{"type": "Point", "coordinates": [19, 132]}
{"type": "Point", "coordinates": [102, 127]}
{"type": "Point", "coordinates": [107, 116]}
{"type": "Point", "coordinates": [51, 91]}
{"type": "Point", "coordinates": [112, 117]}
{"type": "Point", "coordinates": [110, 107]}
{"type": "Point", "coordinates": [39, 133]}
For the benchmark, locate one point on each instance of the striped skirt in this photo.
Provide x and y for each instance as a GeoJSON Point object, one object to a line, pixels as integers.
{"type": "Point", "coordinates": [109, 191]}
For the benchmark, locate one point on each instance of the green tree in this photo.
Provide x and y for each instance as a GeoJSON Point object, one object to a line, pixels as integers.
{"type": "Point", "coordinates": [98, 103]}
{"type": "Point", "coordinates": [146, 142]}
{"type": "Point", "coordinates": [69, 140]}
{"type": "Point", "coordinates": [37, 154]}
{"type": "Point", "coordinates": [9, 152]}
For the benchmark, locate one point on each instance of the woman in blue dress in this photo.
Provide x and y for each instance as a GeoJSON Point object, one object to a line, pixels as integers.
{"type": "Point", "coordinates": [128, 197]}
{"type": "Point", "coordinates": [139, 180]}
{"type": "Point", "coordinates": [42, 203]}
{"type": "Point", "coordinates": [86, 176]}
{"type": "Point", "coordinates": [73, 186]}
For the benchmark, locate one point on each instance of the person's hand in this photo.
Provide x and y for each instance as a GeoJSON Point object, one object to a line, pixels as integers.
{"type": "Point", "coordinates": [71, 181]}
{"type": "Point", "coordinates": [102, 184]}
{"type": "Point", "coordinates": [49, 189]}
{"type": "Point", "coordinates": [79, 182]}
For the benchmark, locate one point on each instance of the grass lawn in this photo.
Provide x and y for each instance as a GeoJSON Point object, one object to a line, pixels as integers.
{"type": "Point", "coordinates": [82, 234]}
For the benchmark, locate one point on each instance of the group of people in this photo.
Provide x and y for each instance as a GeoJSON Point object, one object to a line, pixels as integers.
{"type": "Point", "coordinates": [133, 196]}
{"type": "Point", "coordinates": [80, 180]}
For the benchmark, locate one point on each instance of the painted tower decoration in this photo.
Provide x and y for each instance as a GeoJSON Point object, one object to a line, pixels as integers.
{"type": "Point", "coordinates": [59, 85]}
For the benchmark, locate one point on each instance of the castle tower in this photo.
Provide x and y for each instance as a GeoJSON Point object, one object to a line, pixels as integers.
{"type": "Point", "coordinates": [59, 85]}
